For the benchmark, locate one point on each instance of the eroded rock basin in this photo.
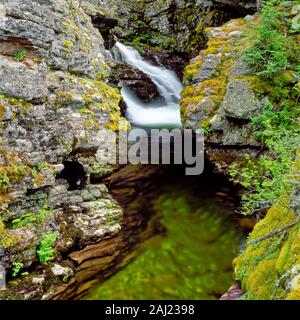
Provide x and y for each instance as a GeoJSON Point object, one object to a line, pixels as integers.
{"type": "Point", "coordinates": [192, 257]}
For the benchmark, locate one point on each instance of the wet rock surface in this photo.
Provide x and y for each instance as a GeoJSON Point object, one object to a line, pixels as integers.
{"type": "Point", "coordinates": [135, 80]}
{"type": "Point", "coordinates": [218, 96]}
{"type": "Point", "coordinates": [171, 26]}
{"type": "Point", "coordinates": [57, 114]}
{"type": "Point", "coordinates": [56, 111]}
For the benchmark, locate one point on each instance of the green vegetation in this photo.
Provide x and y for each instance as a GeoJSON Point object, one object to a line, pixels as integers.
{"type": "Point", "coordinates": [265, 261]}
{"type": "Point", "coordinates": [68, 44]}
{"type": "Point", "coordinates": [273, 248]}
{"type": "Point", "coordinates": [17, 267]}
{"type": "Point", "coordinates": [19, 55]}
{"type": "Point", "coordinates": [36, 170]}
{"type": "Point", "coordinates": [31, 218]}
{"type": "Point", "coordinates": [111, 220]}
{"type": "Point", "coordinates": [265, 177]}
{"type": "Point", "coordinates": [46, 249]}
{"type": "Point", "coordinates": [275, 50]}
{"type": "Point", "coordinates": [278, 127]}
{"type": "Point", "coordinates": [6, 239]}
{"type": "Point", "coordinates": [9, 174]}
{"type": "Point", "coordinates": [66, 278]}
{"type": "Point", "coordinates": [4, 181]}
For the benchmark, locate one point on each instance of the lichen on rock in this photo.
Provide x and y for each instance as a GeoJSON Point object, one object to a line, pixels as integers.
{"type": "Point", "coordinates": [56, 107]}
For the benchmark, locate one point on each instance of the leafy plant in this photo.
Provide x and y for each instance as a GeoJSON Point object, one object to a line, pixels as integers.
{"type": "Point", "coordinates": [264, 178]}
{"type": "Point", "coordinates": [111, 220]}
{"type": "Point", "coordinates": [4, 181]}
{"type": "Point", "coordinates": [66, 278]}
{"type": "Point", "coordinates": [17, 267]}
{"type": "Point", "coordinates": [30, 218]}
{"type": "Point", "coordinates": [46, 249]}
{"type": "Point", "coordinates": [19, 55]}
{"type": "Point", "coordinates": [140, 24]}
{"type": "Point", "coordinates": [275, 49]}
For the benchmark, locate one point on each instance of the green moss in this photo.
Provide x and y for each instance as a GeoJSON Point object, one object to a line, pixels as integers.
{"type": "Point", "coordinates": [111, 98]}
{"type": "Point", "coordinates": [290, 252]}
{"type": "Point", "coordinates": [191, 70]}
{"type": "Point", "coordinates": [214, 88]}
{"type": "Point", "coordinates": [21, 103]}
{"type": "Point", "coordinates": [68, 44]}
{"type": "Point", "coordinates": [264, 262]}
{"type": "Point", "coordinates": [294, 295]}
{"type": "Point", "coordinates": [6, 239]}
{"type": "Point", "coordinates": [11, 174]}
{"type": "Point", "coordinates": [260, 284]}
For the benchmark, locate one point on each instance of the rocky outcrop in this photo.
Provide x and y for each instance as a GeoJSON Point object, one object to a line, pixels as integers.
{"type": "Point", "coordinates": [218, 96]}
{"type": "Point", "coordinates": [133, 188]}
{"type": "Point", "coordinates": [234, 293]}
{"type": "Point", "coordinates": [61, 228]}
{"type": "Point", "coordinates": [173, 26]}
{"type": "Point", "coordinates": [59, 224]}
{"type": "Point", "coordinates": [223, 96]}
{"type": "Point", "coordinates": [134, 79]}
{"type": "Point", "coordinates": [66, 220]}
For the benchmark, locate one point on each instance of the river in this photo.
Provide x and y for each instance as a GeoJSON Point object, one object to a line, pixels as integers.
{"type": "Point", "coordinates": [192, 258]}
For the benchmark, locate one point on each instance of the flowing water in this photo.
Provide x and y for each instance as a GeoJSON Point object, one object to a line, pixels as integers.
{"type": "Point", "coordinates": [192, 259]}
{"type": "Point", "coordinates": [164, 112]}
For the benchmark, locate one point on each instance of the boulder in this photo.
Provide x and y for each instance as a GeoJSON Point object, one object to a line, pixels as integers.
{"type": "Point", "coordinates": [240, 101]}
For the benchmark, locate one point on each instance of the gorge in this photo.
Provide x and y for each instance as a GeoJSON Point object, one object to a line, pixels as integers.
{"type": "Point", "coordinates": [72, 227]}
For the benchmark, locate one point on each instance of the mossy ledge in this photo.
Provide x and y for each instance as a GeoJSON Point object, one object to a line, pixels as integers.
{"type": "Point", "coordinates": [249, 111]}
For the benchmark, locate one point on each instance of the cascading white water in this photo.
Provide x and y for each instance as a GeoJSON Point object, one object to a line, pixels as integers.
{"type": "Point", "coordinates": [164, 112]}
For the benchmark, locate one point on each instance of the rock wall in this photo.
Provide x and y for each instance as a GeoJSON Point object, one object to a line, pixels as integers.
{"type": "Point", "coordinates": [173, 25]}
{"type": "Point", "coordinates": [218, 97]}
{"type": "Point", "coordinates": [57, 115]}
{"type": "Point", "coordinates": [222, 95]}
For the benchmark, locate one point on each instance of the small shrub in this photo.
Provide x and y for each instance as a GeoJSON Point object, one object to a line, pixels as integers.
{"type": "Point", "coordinates": [265, 178]}
{"type": "Point", "coordinates": [4, 181]}
{"type": "Point", "coordinates": [17, 267]}
{"type": "Point", "coordinates": [46, 249]}
{"type": "Point", "coordinates": [19, 55]}
{"type": "Point", "coordinates": [275, 50]}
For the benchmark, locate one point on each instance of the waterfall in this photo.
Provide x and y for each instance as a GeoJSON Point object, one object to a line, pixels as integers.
{"type": "Point", "coordinates": [164, 112]}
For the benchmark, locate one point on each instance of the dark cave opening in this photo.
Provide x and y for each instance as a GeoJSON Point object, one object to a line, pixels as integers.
{"type": "Point", "coordinates": [104, 25]}
{"type": "Point", "coordinates": [75, 174]}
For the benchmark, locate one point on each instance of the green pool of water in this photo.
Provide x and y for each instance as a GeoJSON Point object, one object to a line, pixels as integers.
{"type": "Point", "coordinates": [193, 260]}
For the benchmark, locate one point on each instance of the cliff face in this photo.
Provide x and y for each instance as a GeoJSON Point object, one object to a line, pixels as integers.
{"type": "Point", "coordinates": [250, 114]}
{"type": "Point", "coordinates": [56, 110]}
{"type": "Point", "coordinates": [218, 96]}
{"type": "Point", "coordinates": [173, 25]}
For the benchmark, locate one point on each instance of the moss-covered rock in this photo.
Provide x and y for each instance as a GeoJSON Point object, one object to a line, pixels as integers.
{"type": "Point", "coordinates": [263, 263]}
{"type": "Point", "coordinates": [269, 267]}
{"type": "Point", "coordinates": [217, 75]}
{"type": "Point", "coordinates": [55, 109]}
{"type": "Point", "coordinates": [251, 111]}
